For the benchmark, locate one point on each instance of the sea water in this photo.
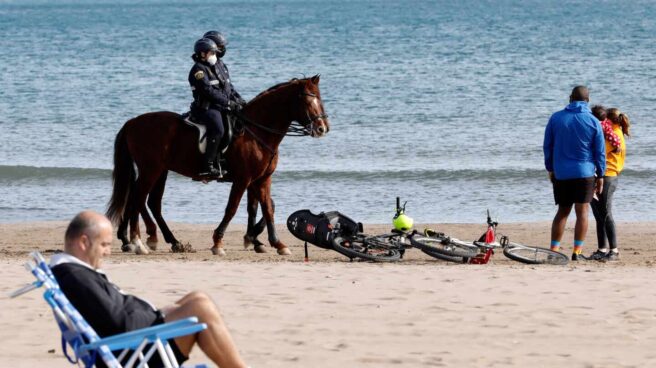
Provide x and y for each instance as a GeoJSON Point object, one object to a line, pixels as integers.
{"type": "Point", "coordinates": [441, 103]}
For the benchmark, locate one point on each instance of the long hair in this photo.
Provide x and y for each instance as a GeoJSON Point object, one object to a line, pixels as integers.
{"type": "Point", "coordinates": [599, 111]}
{"type": "Point", "coordinates": [620, 118]}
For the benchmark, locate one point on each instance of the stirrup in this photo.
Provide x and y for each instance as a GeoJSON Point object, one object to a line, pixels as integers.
{"type": "Point", "coordinates": [212, 173]}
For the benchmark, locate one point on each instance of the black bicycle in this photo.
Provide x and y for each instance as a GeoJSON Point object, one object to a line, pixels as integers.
{"type": "Point", "coordinates": [366, 247]}
{"type": "Point", "coordinates": [335, 231]}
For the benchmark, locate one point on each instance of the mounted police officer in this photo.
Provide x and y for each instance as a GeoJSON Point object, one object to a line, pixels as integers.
{"type": "Point", "coordinates": [213, 94]}
{"type": "Point", "coordinates": [220, 68]}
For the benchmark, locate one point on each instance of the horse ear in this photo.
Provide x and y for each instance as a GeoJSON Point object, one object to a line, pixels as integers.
{"type": "Point", "coordinates": [315, 79]}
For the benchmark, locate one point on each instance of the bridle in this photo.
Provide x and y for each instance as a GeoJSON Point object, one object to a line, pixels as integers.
{"type": "Point", "coordinates": [309, 122]}
{"type": "Point", "coordinates": [296, 128]}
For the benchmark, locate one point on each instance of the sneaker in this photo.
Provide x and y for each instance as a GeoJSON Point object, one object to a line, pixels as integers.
{"type": "Point", "coordinates": [578, 257]}
{"type": "Point", "coordinates": [598, 255]}
{"type": "Point", "coordinates": [612, 257]}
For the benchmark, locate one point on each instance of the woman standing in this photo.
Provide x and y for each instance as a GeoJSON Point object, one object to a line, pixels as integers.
{"type": "Point", "coordinates": [601, 206]}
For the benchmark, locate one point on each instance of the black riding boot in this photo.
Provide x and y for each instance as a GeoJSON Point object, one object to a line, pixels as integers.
{"type": "Point", "coordinates": [208, 168]}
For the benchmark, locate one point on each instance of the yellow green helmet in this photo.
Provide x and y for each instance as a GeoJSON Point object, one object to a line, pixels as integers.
{"type": "Point", "coordinates": [403, 222]}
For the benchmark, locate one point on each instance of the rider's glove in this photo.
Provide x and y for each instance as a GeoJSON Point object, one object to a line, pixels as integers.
{"type": "Point", "coordinates": [234, 106]}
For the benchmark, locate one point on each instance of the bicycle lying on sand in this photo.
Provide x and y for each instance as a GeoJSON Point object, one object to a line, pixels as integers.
{"type": "Point", "coordinates": [452, 249]}
{"type": "Point", "coordinates": [442, 246]}
{"type": "Point", "coordinates": [335, 231]}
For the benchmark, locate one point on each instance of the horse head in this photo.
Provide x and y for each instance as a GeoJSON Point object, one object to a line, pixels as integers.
{"type": "Point", "coordinates": [311, 113]}
{"type": "Point", "coordinates": [299, 102]}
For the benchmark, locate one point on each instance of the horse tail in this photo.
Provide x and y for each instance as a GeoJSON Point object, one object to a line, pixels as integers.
{"type": "Point", "coordinates": [123, 177]}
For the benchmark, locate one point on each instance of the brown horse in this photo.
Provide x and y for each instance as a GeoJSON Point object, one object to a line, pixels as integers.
{"type": "Point", "coordinates": [159, 141]}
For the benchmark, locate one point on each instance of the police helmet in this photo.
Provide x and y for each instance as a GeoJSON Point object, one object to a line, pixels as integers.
{"type": "Point", "coordinates": [218, 38]}
{"type": "Point", "coordinates": [204, 45]}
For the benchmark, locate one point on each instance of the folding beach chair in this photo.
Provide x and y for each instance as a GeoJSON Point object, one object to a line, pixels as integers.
{"type": "Point", "coordinates": [135, 347]}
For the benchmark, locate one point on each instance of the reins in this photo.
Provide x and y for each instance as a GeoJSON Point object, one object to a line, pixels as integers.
{"type": "Point", "coordinates": [295, 129]}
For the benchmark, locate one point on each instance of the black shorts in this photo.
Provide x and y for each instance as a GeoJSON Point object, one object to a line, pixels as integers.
{"type": "Point", "coordinates": [156, 361]}
{"type": "Point", "coordinates": [570, 191]}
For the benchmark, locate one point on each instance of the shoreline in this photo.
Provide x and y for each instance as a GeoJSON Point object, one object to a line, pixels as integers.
{"type": "Point", "coordinates": [637, 241]}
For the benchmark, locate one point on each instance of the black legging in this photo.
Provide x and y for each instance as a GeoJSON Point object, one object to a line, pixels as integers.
{"type": "Point", "coordinates": [601, 208]}
{"type": "Point", "coordinates": [213, 121]}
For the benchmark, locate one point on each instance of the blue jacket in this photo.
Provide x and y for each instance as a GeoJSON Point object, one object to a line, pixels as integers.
{"type": "Point", "coordinates": [574, 143]}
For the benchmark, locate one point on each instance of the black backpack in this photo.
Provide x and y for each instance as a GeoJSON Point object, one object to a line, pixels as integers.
{"type": "Point", "coordinates": [320, 229]}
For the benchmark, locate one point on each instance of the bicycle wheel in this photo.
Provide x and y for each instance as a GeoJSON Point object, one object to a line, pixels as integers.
{"type": "Point", "coordinates": [397, 241]}
{"type": "Point", "coordinates": [358, 247]}
{"type": "Point", "coordinates": [445, 246]}
{"type": "Point", "coordinates": [444, 257]}
{"type": "Point", "coordinates": [534, 255]}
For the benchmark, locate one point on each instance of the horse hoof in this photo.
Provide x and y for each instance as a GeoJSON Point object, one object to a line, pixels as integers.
{"type": "Point", "coordinates": [260, 249]}
{"type": "Point", "coordinates": [182, 248]}
{"type": "Point", "coordinates": [218, 251]}
{"type": "Point", "coordinates": [139, 248]}
{"type": "Point", "coordinates": [152, 244]}
{"type": "Point", "coordinates": [284, 251]}
{"type": "Point", "coordinates": [127, 248]}
{"type": "Point", "coordinates": [252, 240]}
{"type": "Point", "coordinates": [247, 241]}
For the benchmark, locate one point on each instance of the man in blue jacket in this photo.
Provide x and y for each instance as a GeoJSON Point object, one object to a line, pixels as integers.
{"type": "Point", "coordinates": [574, 153]}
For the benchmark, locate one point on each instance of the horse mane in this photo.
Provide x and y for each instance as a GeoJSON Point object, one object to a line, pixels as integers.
{"type": "Point", "coordinates": [276, 87]}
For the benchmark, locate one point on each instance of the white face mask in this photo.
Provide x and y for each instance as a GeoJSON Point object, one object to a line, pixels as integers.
{"type": "Point", "coordinates": [211, 59]}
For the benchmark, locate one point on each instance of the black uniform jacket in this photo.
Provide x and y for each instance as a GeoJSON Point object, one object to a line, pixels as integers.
{"type": "Point", "coordinates": [210, 86]}
{"type": "Point", "coordinates": [105, 307]}
{"type": "Point", "coordinates": [222, 70]}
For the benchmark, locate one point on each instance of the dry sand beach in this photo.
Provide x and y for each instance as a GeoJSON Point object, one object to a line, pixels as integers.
{"type": "Point", "coordinates": [334, 313]}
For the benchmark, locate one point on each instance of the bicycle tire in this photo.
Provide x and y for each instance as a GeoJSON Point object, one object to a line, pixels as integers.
{"type": "Point", "coordinates": [444, 257]}
{"type": "Point", "coordinates": [444, 245]}
{"type": "Point", "coordinates": [534, 255]}
{"type": "Point", "coordinates": [358, 248]}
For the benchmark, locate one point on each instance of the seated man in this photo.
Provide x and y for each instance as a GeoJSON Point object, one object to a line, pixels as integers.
{"type": "Point", "coordinates": [110, 311]}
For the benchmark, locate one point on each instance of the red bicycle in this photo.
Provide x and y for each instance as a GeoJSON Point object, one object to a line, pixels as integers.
{"type": "Point", "coordinates": [486, 245]}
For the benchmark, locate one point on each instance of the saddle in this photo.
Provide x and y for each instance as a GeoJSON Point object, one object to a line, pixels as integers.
{"type": "Point", "coordinates": [230, 126]}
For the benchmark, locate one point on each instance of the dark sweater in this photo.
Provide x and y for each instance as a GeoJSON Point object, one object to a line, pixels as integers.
{"type": "Point", "coordinates": [105, 307]}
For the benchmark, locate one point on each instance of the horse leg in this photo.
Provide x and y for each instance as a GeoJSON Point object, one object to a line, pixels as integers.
{"type": "Point", "coordinates": [264, 196]}
{"type": "Point", "coordinates": [251, 235]}
{"type": "Point", "coordinates": [122, 233]}
{"type": "Point", "coordinates": [259, 227]}
{"type": "Point", "coordinates": [144, 185]}
{"type": "Point", "coordinates": [135, 233]}
{"type": "Point", "coordinates": [155, 205]}
{"type": "Point", "coordinates": [151, 228]}
{"type": "Point", "coordinates": [236, 192]}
